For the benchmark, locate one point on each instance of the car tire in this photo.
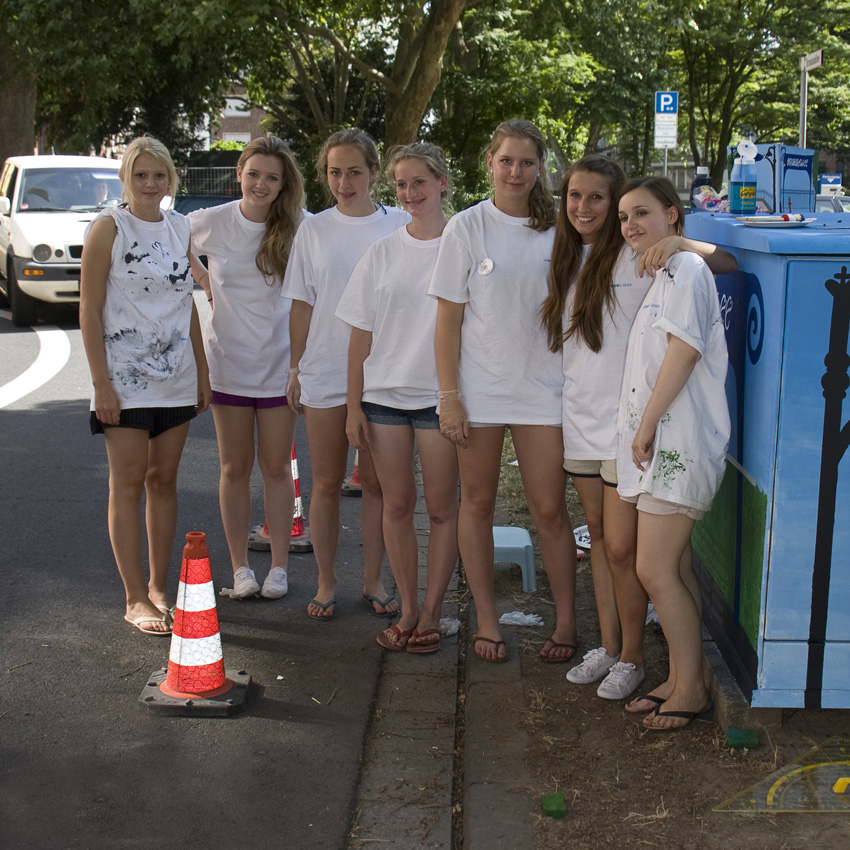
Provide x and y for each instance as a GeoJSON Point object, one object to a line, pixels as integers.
{"type": "Point", "coordinates": [24, 307]}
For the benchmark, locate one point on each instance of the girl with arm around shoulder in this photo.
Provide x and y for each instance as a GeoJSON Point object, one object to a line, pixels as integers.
{"type": "Point", "coordinates": [674, 427]}
{"type": "Point", "coordinates": [596, 286]}
{"type": "Point", "coordinates": [392, 386]}
{"type": "Point", "coordinates": [247, 244]}
{"type": "Point", "coordinates": [496, 371]}
{"type": "Point", "coordinates": [149, 374]}
{"type": "Point", "coordinates": [326, 250]}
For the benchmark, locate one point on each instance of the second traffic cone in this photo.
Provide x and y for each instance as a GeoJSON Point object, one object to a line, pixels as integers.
{"type": "Point", "coordinates": [195, 662]}
{"type": "Point", "coordinates": [300, 540]}
{"type": "Point", "coordinates": [352, 487]}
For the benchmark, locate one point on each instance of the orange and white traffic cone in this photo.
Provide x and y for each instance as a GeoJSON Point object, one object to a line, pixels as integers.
{"type": "Point", "coordinates": [195, 681]}
{"type": "Point", "coordinates": [258, 539]}
{"type": "Point", "coordinates": [300, 540]}
{"type": "Point", "coordinates": [352, 487]}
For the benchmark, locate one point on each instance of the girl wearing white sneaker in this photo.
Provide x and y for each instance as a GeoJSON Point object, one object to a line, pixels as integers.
{"type": "Point", "coordinates": [324, 254]}
{"type": "Point", "coordinates": [247, 244]}
{"type": "Point", "coordinates": [596, 286]}
{"type": "Point", "coordinates": [673, 426]}
{"type": "Point", "coordinates": [392, 387]}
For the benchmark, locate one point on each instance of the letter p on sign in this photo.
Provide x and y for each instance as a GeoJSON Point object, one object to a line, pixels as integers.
{"type": "Point", "coordinates": [667, 102]}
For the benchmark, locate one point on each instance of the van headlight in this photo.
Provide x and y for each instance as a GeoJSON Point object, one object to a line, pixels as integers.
{"type": "Point", "coordinates": [42, 253]}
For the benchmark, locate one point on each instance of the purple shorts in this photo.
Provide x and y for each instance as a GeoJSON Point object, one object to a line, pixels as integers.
{"type": "Point", "coordinates": [246, 401]}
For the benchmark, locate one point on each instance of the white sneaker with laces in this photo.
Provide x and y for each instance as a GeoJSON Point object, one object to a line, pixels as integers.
{"type": "Point", "coordinates": [595, 665]}
{"type": "Point", "coordinates": [621, 680]}
{"type": "Point", "coordinates": [276, 584]}
{"type": "Point", "coordinates": [244, 583]}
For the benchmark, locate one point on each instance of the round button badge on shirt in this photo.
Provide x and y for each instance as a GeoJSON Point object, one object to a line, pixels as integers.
{"type": "Point", "coordinates": [485, 266]}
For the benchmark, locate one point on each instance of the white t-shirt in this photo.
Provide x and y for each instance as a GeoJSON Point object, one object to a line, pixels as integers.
{"type": "Point", "coordinates": [592, 380]}
{"type": "Point", "coordinates": [496, 266]}
{"type": "Point", "coordinates": [325, 251]}
{"type": "Point", "coordinates": [247, 335]}
{"type": "Point", "coordinates": [689, 454]}
{"type": "Point", "coordinates": [388, 296]}
{"type": "Point", "coordinates": [147, 312]}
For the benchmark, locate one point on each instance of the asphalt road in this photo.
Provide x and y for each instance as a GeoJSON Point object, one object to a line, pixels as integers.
{"type": "Point", "coordinates": [83, 764]}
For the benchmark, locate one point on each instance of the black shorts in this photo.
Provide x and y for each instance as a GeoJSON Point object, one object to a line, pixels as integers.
{"type": "Point", "coordinates": [154, 420]}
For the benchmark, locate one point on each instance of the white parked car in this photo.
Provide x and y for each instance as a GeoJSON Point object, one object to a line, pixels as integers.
{"type": "Point", "coordinates": [46, 203]}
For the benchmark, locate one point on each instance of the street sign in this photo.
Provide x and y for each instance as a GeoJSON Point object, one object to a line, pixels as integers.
{"type": "Point", "coordinates": [666, 119]}
{"type": "Point", "coordinates": [811, 60]}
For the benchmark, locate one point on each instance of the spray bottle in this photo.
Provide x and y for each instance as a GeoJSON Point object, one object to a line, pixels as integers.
{"type": "Point", "coordinates": [742, 181]}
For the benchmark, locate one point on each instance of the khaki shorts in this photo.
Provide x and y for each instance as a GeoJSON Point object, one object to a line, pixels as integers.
{"type": "Point", "coordinates": [650, 505]}
{"type": "Point", "coordinates": [604, 469]}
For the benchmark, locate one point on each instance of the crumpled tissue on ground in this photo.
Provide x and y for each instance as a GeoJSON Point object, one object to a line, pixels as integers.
{"type": "Point", "coordinates": [449, 626]}
{"type": "Point", "coordinates": [517, 618]}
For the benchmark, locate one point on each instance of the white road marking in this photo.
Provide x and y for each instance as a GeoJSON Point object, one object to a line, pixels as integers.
{"type": "Point", "coordinates": [54, 354]}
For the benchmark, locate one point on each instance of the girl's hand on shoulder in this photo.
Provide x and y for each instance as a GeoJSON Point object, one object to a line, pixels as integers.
{"type": "Point", "coordinates": [107, 407]}
{"type": "Point", "coordinates": [454, 424]}
{"type": "Point", "coordinates": [293, 392]}
{"type": "Point", "coordinates": [656, 256]}
{"type": "Point", "coordinates": [642, 446]}
{"type": "Point", "coordinates": [357, 429]}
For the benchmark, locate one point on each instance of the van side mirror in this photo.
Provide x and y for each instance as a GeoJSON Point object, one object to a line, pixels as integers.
{"type": "Point", "coordinates": [5, 206]}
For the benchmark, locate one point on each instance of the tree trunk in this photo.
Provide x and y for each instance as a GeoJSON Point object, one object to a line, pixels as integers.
{"type": "Point", "coordinates": [17, 108]}
{"type": "Point", "coordinates": [406, 106]}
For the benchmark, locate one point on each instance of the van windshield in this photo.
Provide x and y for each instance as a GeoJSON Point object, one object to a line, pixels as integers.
{"type": "Point", "coordinates": [66, 189]}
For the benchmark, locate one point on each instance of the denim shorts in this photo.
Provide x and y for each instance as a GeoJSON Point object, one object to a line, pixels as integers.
{"type": "Point", "coordinates": [229, 400]}
{"type": "Point", "coordinates": [154, 420]}
{"type": "Point", "coordinates": [423, 417]}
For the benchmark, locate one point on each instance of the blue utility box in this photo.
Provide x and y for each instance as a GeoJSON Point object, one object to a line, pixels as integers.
{"type": "Point", "coordinates": [773, 554]}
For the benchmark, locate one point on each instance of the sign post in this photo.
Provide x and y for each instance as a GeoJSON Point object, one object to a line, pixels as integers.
{"type": "Point", "coordinates": [666, 121]}
{"type": "Point", "coordinates": [807, 63]}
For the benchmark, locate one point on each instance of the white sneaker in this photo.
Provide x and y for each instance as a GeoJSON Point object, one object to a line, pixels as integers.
{"type": "Point", "coordinates": [244, 583]}
{"type": "Point", "coordinates": [595, 665]}
{"type": "Point", "coordinates": [275, 584]}
{"type": "Point", "coordinates": [622, 679]}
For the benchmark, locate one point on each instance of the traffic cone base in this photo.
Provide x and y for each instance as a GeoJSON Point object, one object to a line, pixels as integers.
{"type": "Point", "coordinates": [155, 698]}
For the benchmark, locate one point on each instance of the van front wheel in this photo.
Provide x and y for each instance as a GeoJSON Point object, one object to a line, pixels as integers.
{"type": "Point", "coordinates": [24, 307]}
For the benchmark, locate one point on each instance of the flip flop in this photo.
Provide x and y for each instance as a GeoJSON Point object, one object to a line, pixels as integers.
{"type": "Point", "coordinates": [167, 612]}
{"type": "Point", "coordinates": [558, 659]}
{"type": "Point", "coordinates": [371, 601]}
{"type": "Point", "coordinates": [687, 715]}
{"type": "Point", "coordinates": [651, 698]}
{"type": "Point", "coordinates": [496, 643]}
{"type": "Point", "coordinates": [431, 646]}
{"type": "Point", "coordinates": [148, 618]}
{"type": "Point", "coordinates": [386, 643]}
{"type": "Point", "coordinates": [324, 606]}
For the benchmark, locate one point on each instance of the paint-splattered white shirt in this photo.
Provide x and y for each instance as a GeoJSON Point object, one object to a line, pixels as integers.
{"type": "Point", "coordinates": [689, 453]}
{"type": "Point", "coordinates": [147, 312]}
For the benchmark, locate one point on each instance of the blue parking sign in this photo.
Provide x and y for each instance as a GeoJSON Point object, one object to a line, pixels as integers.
{"type": "Point", "coordinates": [667, 102]}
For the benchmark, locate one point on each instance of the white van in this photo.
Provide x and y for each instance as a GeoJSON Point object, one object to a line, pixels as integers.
{"type": "Point", "coordinates": [46, 203]}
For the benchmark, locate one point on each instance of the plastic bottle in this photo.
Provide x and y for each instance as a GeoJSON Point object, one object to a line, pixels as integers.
{"type": "Point", "coordinates": [742, 181]}
{"type": "Point", "coordinates": [701, 178]}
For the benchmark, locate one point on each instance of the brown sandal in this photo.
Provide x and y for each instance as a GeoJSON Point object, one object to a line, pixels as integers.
{"type": "Point", "coordinates": [497, 643]}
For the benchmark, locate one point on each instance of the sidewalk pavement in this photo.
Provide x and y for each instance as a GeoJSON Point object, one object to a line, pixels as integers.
{"type": "Point", "coordinates": [440, 768]}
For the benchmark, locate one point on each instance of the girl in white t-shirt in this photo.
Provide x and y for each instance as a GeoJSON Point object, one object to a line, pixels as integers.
{"type": "Point", "coordinates": [392, 386]}
{"type": "Point", "coordinates": [325, 252]}
{"type": "Point", "coordinates": [673, 426]}
{"type": "Point", "coordinates": [247, 244]}
{"type": "Point", "coordinates": [143, 342]}
{"type": "Point", "coordinates": [495, 370]}
{"type": "Point", "coordinates": [596, 286]}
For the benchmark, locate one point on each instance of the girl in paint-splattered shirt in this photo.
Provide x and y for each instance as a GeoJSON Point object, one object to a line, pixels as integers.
{"type": "Point", "coordinates": [673, 432]}
{"type": "Point", "coordinates": [149, 375]}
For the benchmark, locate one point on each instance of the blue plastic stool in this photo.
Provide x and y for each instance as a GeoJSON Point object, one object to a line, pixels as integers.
{"type": "Point", "coordinates": [513, 546]}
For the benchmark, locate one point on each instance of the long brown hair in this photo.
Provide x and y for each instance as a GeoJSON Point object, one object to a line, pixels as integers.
{"type": "Point", "coordinates": [286, 211]}
{"type": "Point", "coordinates": [541, 204]}
{"type": "Point", "coordinates": [594, 289]}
